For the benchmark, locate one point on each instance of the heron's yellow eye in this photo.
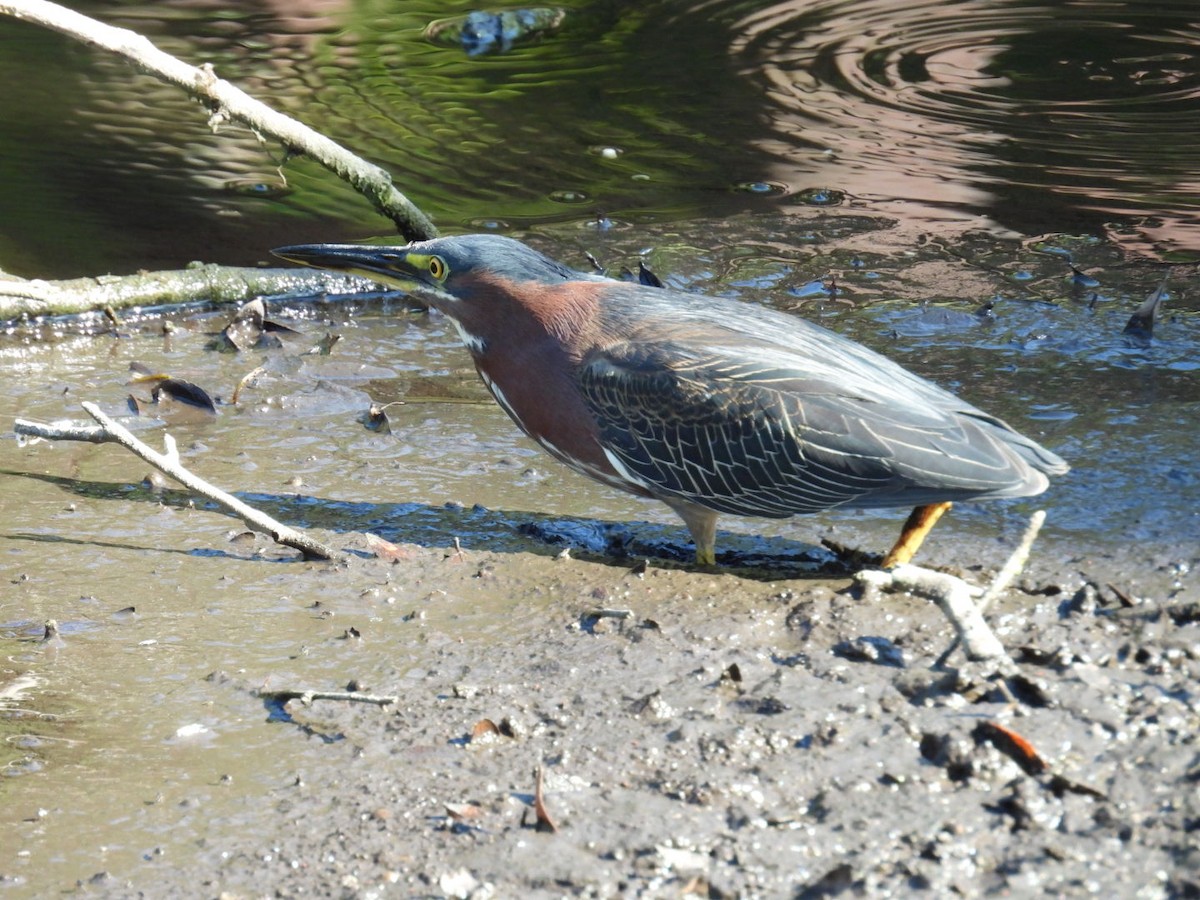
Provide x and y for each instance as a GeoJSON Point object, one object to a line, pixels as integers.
{"type": "Point", "coordinates": [437, 267]}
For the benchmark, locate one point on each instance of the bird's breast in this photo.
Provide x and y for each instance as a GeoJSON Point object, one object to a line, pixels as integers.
{"type": "Point", "coordinates": [544, 401]}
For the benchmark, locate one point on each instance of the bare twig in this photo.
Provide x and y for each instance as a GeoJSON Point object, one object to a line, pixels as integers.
{"type": "Point", "coordinates": [168, 463]}
{"type": "Point", "coordinates": [307, 697]}
{"type": "Point", "coordinates": [953, 596]}
{"type": "Point", "coordinates": [1009, 571]}
{"type": "Point", "coordinates": [225, 101]}
{"type": "Point", "coordinates": [1016, 562]}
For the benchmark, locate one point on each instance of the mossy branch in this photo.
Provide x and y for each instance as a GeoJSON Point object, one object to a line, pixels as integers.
{"type": "Point", "coordinates": [197, 284]}
{"type": "Point", "coordinates": [225, 101]}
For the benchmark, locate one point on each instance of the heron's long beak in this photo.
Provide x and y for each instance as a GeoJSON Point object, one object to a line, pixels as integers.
{"type": "Point", "coordinates": [392, 266]}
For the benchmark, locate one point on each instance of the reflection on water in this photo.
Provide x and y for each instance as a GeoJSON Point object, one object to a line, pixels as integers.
{"type": "Point", "coordinates": [1025, 116]}
{"type": "Point", "coordinates": [1032, 114]}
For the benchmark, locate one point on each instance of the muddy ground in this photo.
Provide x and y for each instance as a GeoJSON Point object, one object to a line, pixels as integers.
{"type": "Point", "coordinates": [734, 737]}
{"type": "Point", "coordinates": [762, 730]}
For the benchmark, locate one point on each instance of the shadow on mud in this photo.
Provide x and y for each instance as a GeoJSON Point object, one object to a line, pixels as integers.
{"type": "Point", "coordinates": [619, 544]}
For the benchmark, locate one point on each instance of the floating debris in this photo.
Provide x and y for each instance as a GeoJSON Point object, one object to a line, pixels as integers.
{"type": "Point", "coordinates": [647, 277]}
{"type": "Point", "coordinates": [482, 32]}
{"type": "Point", "coordinates": [376, 419]}
{"type": "Point", "coordinates": [251, 329]}
{"type": "Point", "coordinates": [266, 188]}
{"type": "Point", "coordinates": [1140, 327]}
{"type": "Point", "coordinates": [170, 398]}
{"type": "Point", "coordinates": [1082, 279]}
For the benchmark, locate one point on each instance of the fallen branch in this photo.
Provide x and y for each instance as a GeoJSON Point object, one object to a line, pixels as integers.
{"type": "Point", "coordinates": [225, 102]}
{"type": "Point", "coordinates": [202, 283]}
{"type": "Point", "coordinates": [1008, 572]}
{"type": "Point", "coordinates": [953, 596]}
{"type": "Point", "coordinates": [307, 697]}
{"type": "Point", "coordinates": [109, 431]}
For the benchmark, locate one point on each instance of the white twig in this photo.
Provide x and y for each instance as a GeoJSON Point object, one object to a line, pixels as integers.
{"type": "Point", "coordinates": [954, 597]}
{"type": "Point", "coordinates": [307, 697]}
{"type": "Point", "coordinates": [110, 431]}
{"type": "Point", "coordinates": [1016, 562]}
{"type": "Point", "coordinates": [226, 101]}
{"type": "Point", "coordinates": [1009, 571]}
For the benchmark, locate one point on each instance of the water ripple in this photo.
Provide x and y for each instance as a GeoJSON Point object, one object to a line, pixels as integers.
{"type": "Point", "coordinates": [991, 107]}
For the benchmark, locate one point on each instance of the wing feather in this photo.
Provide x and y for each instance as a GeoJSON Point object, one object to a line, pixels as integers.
{"type": "Point", "coordinates": [763, 431]}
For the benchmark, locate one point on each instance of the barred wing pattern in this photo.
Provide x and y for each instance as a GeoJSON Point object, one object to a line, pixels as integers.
{"type": "Point", "coordinates": [758, 435]}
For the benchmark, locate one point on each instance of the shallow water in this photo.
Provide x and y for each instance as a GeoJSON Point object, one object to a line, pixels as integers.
{"type": "Point", "coordinates": [774, 140]}
{"type": "Point", "coordinates": [152, 596]}
{"type": "Point", "coordinates": [1018, 117]}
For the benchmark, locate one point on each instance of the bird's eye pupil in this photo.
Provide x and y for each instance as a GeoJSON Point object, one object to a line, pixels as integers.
{"type": "Point", "coordinates": [437, 268]}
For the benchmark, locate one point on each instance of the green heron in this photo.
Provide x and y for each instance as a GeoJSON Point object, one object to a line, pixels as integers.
{"type": "Point", "coordinates": [709, 405]}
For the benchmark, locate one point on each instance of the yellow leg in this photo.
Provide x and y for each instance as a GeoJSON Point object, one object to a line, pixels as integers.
{"type": "Point", "coordinates": [702, 525]}
{"type": "Point", "coordinates": [920, 523]}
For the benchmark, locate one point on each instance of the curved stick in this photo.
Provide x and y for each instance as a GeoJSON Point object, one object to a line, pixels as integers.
{"type": "Point", "coordinates": [110, 431]}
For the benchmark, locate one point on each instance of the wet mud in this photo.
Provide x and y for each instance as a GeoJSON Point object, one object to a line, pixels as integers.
{"type": "Point", "coordinates": [764, 729]}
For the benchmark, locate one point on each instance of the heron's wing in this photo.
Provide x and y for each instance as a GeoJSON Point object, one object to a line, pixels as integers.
{"type": "Point", "coordinates": [753, 430]}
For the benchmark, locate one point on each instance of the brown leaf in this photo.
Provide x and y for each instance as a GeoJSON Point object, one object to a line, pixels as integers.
{"type": "Point", "coordinates": [386, 550]}
{"type": "Point", "coordinates": [462, 811]}
{"type": "Point", "coordinates": [1012, 744]}
{"type": "Point", "coordinates": [544, 822]}
{"type": "Point", "coordinates": [484, 727]}
{"type": "Point", "coordinates": [247, 379]}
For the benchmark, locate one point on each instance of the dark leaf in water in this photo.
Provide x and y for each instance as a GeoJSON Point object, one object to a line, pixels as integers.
{"type": "Point", "coordinates": [140, 406]}
{"type": "Point", "coordinates": [325, 345]}
{"type": "Point", "coordinates": [272, 327]}
{"type": "Point", "coordinates": [376, 419]}
{"type": "Point", "coordinates": [1082, 279]}
{"type": "Point", "coordinates": [179, 391]}
{"type": "Point", "coordinates": [1140, 328]}
{"type": "Point", "coordinates": [646, 277]}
